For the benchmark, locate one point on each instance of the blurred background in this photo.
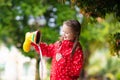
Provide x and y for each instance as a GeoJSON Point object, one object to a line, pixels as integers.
{"type": "Point", "coordinates": [100, 36]}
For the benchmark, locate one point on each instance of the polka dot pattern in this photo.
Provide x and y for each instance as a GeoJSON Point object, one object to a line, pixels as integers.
{"type": "Point", "coordinates": [66, 68]}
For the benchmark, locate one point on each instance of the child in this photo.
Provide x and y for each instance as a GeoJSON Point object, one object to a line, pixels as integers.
{"type": "Point", "coordinates": [66, 54]}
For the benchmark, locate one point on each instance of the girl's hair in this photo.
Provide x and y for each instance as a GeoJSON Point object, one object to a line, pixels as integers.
{"type": "Point", "coordinates": [76, 27]}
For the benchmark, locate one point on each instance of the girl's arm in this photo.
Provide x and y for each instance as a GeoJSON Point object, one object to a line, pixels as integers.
{"type": "Point", "coordinates": [47, 50]}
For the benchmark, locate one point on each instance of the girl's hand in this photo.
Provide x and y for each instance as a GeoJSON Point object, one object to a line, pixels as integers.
{"type": "Point", "coordinates": [58, 56]}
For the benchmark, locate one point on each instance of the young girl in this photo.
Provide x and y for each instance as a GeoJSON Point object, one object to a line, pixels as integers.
{"type": "Point", "coordinates": [66, 54]}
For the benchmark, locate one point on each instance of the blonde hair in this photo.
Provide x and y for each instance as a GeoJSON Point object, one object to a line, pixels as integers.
{"type": "Point", "coordinates": [76, 27]}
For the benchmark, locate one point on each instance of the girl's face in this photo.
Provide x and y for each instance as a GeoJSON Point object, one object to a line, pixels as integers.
{"type": "Point", "coordinates": [68, 33]}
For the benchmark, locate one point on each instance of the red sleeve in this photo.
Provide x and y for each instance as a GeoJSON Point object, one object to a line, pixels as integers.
{"type": "Point", "coordinates": [76, 64]}
{"type": "Point", "coordinates": [47, 50]}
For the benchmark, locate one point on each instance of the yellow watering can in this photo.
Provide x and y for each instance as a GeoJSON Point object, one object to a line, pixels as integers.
{"type": "Point", "coordinates": [31, 37]}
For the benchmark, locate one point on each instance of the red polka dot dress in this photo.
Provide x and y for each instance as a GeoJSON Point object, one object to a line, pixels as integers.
{"type": "Point", "coordinates": [66, 68]}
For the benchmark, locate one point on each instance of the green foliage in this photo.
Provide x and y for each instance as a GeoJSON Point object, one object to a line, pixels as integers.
{"type": "Point", "coordinates": [64, 12]}
{"type": "Point", "coordinates": [112, 67]}
{"type": "Point", "coordinates": [113, 34]}
{"type": "Point", "coordinates": [49, 35]}
{"type": "Point", "coordinates": [96, 8]}
{"type": "Point", "coordinates": [96, 34]}
{"type": "Point", "coordinates": [114, 44]}
{"type": "Point", "coordinates": [103, 64]}
{"type": "Point", "coordinates": [15, 29]}
{"type": "Point", "coordinates": [99, 8]}
{"type": "Point", "coordinates": [118, 76]}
